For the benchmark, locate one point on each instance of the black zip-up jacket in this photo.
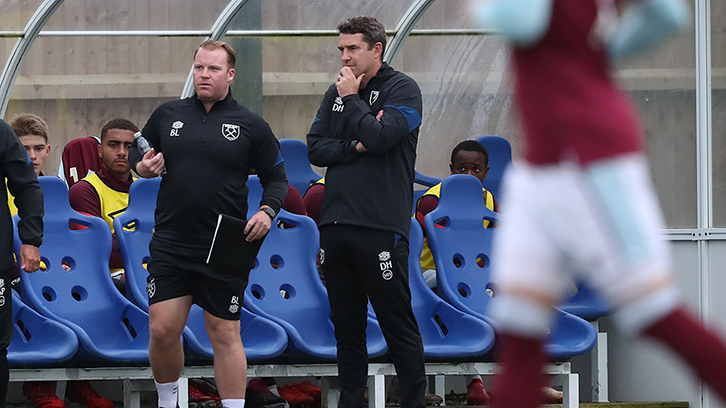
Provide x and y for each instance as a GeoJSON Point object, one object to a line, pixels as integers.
{"type": "Point", "coordinates": [16, 169]}
{"type": "Point", "coordinates": [208, 157]}
{"type": "Point", "coordinates": [372, 189]}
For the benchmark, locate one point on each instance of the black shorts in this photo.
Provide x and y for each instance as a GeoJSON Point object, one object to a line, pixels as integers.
{"type": "Point", "coordinates": [176, 271]}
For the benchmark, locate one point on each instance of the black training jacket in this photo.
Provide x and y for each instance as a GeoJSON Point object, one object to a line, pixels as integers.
{"type": "Point", "coordinates": [208, 157]}
{"type": "Point", "coordinates": [372, 189]}
{"type": "Point", "coordinates": [16, 169]}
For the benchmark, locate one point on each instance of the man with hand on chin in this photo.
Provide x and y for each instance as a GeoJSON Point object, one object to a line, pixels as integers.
{"type": "Point", "coordinates": [365, 132]}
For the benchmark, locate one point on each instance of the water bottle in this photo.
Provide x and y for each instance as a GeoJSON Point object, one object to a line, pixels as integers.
{"type": "Point", "coordinates": [144, 146]}
{"type": "Point", "coordinates": [142, 143]}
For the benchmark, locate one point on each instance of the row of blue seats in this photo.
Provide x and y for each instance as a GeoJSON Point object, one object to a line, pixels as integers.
{"type": "Point", "coordinates": [83, 304]}
{"type": "Point", "coordinates": [300, 173]}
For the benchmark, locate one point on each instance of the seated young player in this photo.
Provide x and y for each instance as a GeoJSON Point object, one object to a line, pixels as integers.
{"type": "Point", "coordinates": [468, 157]}
{"type": "Point", "coordinates": [79, 159]}
{"type": "Point", "coordinates": [32, 131]}
{"type": "Point", "coordinates": [33, 134]}
{"type": "Point", "coordinates": [105, 194]}
{"type": "Point", "coordinates": [293, 204]}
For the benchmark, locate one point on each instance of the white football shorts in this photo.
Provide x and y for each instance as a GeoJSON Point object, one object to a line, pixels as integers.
{"type": "Point", "coordinates": [566, 222]}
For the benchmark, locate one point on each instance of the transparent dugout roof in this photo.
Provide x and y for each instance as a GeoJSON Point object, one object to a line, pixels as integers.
{"type": "Point", "coordinates": [6, 47]}
{"type": "Point", "coordinates": [96, 59]}
{"type": "Point", "coordinates": [103, 15]}
{"type": "Point", "coordinates": [325, 15]}
{"type": "Point", "coordinates": [14, 14]}
{"type": "Point", "coordinates": [446, 14]}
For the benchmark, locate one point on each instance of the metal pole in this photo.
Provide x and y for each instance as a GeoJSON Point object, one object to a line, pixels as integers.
{"type": "Point", "coordinates": [404, 28]}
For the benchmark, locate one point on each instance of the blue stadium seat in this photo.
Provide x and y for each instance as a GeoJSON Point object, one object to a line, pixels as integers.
{"type": "Point", "coordinates": [297, 165]}
{"type": "Point", "coordinates": [84, 299]}
{"type": "Point", "coordinates": [569, 336]}
{"type": "Point", "coordinates": [585, 303]}
{"type": "Point", "coordinates": [261, 337]}
{"type": "Point", "coordinates": [446, 332]}
{"type": "Point", "coordinates": [285, 287]}
{"type": "Point", "coordinates": [38, 340]}
{"type": "Point", "coordinates": [500, 156]}
{"type": "Point", "coordinates": [134, 242]}
{"type": "Point", "coordinates": [425, 180]}
{"type": "Point", "coordinates": [463, 283]}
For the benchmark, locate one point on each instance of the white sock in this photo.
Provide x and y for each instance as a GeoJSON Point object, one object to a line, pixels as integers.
{"type": "Point", "coordinates": [168, 394]}
{"type": "Point", "coordinates": [233, 403]}
{"type": "Point", "coordinates": [470, 378]}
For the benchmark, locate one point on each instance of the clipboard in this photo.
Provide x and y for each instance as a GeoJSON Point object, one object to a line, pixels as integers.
{"type": "Point", "coordinates": [230, 252]}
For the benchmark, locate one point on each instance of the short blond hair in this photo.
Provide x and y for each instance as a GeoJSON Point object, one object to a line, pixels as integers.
{"type": "Point", "coordinates": [211, 45]}
{"type": "Point", "coordinates": [29, 124]}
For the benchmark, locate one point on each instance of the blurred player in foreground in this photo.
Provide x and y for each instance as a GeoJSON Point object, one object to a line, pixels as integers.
{"type": "Point", "coordinates": [583, 140]}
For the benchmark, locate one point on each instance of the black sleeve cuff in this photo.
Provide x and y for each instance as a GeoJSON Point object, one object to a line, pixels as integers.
{"type": "Point", "coordinates": [350, 147]}
{"type": "Point", "coordinates": [349, 97]}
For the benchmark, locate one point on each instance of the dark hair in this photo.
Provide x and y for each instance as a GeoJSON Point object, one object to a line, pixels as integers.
{"type": "Point", "coordinates": [120, 123]}
{"type": "Point", "coordinates": [211, 45]}
{"type": "Point", "coordinates": [372, 30]}
{"type": "Point", "coordinates": [29, 124]}
{"type": "Point", "coordinates": [470, 146]}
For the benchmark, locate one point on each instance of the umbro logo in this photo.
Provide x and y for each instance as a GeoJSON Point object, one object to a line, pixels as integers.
{"type": "Point", "coordinates": [234, 305]}
{"type": "Point", "coordinates": [175, 128]}
{"type": "Point", "coordinates": [338, 105]}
